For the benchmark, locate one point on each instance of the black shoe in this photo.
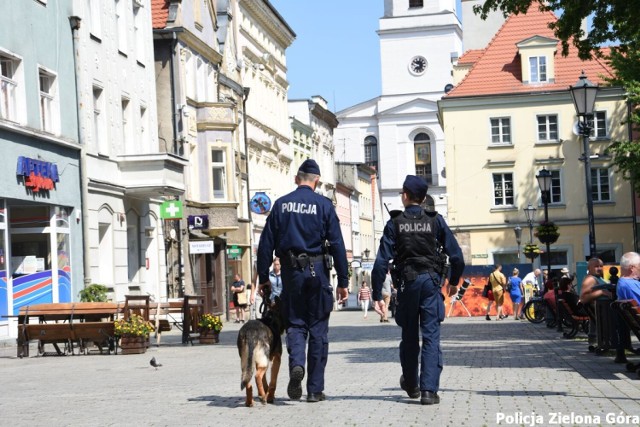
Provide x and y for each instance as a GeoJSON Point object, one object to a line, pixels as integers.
{"type": "Point", "coordinates": [487, 317]}
{"type": "Point", "coordinates": [316, 397]}
{"type": "Point", "coordinates": [429, 398]}
{"type": "Point", "coordinates": [294, 389]}
{"type": "Point", "coordinates": [412, 392]}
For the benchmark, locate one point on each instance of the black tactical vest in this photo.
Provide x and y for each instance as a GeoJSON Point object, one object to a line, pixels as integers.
{"type": "Point", "coordinates": [416, 242]}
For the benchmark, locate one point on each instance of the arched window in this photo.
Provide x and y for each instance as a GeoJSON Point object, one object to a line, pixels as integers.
{"type": "Point", "coordinates": [371, 151]}
{"type": "Point", "coordinates": [422, 150]}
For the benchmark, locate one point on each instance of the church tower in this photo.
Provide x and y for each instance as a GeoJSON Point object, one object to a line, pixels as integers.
{"type": "Point", "coordinates": [419, 39]}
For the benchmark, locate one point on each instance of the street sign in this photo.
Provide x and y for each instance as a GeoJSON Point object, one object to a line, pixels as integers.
{"type": "Point", "coordinates": [171, 209]}
{"type": "Point", "coordinates": [234, 252]}
{"type": "Point", "coordinates": [201, 246]}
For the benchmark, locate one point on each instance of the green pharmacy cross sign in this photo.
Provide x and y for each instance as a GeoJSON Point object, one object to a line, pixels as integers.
{"type": "Point", "coordinates": [171, 210]}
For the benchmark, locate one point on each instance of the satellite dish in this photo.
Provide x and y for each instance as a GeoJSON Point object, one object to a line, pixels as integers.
{"type": "Point", "coordinates": [448, 88]}
{"type": "Point", "coordinates": [576, 128]}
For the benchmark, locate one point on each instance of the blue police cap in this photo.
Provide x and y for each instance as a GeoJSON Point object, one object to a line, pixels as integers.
{"type": "Point", "coordinates": [309, 166]}
{"type": "Point", "coordinates": [415, 185]}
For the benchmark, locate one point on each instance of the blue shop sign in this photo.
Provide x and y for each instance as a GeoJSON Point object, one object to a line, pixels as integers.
{"type": "Point", "coordinates": [198, 222]}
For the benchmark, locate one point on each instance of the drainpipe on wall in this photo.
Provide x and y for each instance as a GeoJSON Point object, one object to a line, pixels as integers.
{"type": "Point", "coordinates": [245, 91]}
{"type": "Point", "coordinates": [633, 191]}
{"type": "Point", "coordinates": [75, 22]}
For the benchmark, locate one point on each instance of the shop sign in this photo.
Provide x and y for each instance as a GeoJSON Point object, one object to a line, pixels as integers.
{"type": "Point", "coordinates": [38, 174]}
{"type": "Point", "coordinates": [234, 252]}
{"type": "Point", "coordinates": [198, 222]}
{"type": "Point", "coordinates": [171, 209]}
{"type": "Point", "coordinates": [201, 247]}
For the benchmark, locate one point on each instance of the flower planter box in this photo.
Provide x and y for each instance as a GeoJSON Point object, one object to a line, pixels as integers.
{"type": "Point", "coordinates": [133, 345]}
{"type": "Point", "coordinates": [548, 238]}
{"type": "Point", "coordinates": [209, 337]}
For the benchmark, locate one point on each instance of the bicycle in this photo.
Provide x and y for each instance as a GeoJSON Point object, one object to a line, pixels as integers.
{"type": "Point", "coordinates": [535, 310]}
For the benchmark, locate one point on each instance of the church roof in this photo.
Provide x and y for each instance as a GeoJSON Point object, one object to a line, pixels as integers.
{"type": "Point", "coordinates": [497, 69]}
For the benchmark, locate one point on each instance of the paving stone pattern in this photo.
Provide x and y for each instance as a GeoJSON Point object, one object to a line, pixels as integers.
{"type": "Point", "coordinates": [509, 367]}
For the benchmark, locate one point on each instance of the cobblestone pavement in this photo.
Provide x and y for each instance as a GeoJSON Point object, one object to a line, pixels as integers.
{"type": "Point", "coordinates": [496, 373]}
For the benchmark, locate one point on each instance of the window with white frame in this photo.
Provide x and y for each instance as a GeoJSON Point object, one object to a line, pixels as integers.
{"type": "Point", "coordinates": [600, 185]}
{"type": "Point", "coordinates": [599, 125]}
{"type": "Point", "coordinates": [371, 151]}
{"type": "Point", "coordinates": [48, 101]}
{"type": "Point", "coordinates": [503, 189]}
{"type": "Point", "coordinates": [547, 127]}
{"type": "Point", "coordinates": [127, 124]}
{"type": "Point", "coordinates": [556, 187]}
{"type": "Point", "coordinates": [422, 156]}
{"type": "Point", "coordinates": [501, 130]}
{"type": "Point", "coordinates": [218, 174]}
{"type": "Point", "coordinates": [99, 120]}
{"type": "Point", "coordinates": [9, 88]}
{"type": "Point", "coordinates": [121, 23]}
{"type": "Point", "coordinates": [538, 69]}
{"type": "Point", "coordinates": [92, 8]}
{"type": "Point", "coordinates": [138, 31]}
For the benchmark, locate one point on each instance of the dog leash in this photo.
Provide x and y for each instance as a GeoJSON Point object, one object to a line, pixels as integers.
{"type": "Point", "coordinates": [266, 296]}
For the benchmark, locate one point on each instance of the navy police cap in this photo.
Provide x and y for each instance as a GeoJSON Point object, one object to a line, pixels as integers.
{"type": "Point", "coordinates": [309, 166]}
{"type": "Point", "coordinates": [415, 185]}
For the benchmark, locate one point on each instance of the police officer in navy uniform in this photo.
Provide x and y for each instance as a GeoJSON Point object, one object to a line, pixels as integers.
{"type": "Point", "coordinates": [304, 231]}
{"type": "Point", "coordinates": [418, 241]}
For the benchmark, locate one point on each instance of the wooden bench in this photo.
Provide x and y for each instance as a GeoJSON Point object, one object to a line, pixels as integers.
{"type": "Point", "coordinates": [630, 313]}
{"type": "Point", "coordinates": [571, 316]}
{"type": "Point", "coordinates": [164, 314]}
{"type": "Point", "coordinates": [80, 323]}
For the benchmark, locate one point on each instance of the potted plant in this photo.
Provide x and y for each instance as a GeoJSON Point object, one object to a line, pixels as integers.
{"type": "Point", "coordinates": [532, 251]}
{"type": "Point", "coordinates": [547, 232]}
{"type": "Point", "coordinates": [210, 326]}
{"type": "Point", "coordinates": [133, 334]}
{"type": "Point", "coordinates": [94, 293]}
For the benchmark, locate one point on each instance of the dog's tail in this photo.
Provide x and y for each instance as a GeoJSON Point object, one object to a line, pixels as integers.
{"type": "Point", "coordinates": [246, 361]}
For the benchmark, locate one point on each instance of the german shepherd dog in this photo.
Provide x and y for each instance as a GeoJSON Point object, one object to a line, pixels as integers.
{"type": "Point", "coordinates": [259, 343]}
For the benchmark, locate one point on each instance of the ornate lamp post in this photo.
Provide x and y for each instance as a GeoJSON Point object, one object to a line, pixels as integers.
{"type": "Point", "coordinates": [517, 230]}
{"type": "Point", "coordinates": [530, 213]}
{"type": "Point", "coordinates": [544, 182]}
{"type": "Point", "coordinates": [584, 94]}
{"type": "Point", "coordinates": [366, 253]}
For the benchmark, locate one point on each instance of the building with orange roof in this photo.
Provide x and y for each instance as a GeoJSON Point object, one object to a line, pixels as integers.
{"type": "Point", "coordinates": [509, 116]}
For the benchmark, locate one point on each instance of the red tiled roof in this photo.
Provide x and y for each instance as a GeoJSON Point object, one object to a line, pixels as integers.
{"type": "Point", "coordinates": [159, 13]}
{"type": "Point", "coordinates": [470, 56]}
{"type": "Point", "coordinates": [498, 69]}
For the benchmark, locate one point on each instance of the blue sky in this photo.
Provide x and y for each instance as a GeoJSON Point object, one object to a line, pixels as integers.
{"type": "Point", "coordinates": [336, 52]}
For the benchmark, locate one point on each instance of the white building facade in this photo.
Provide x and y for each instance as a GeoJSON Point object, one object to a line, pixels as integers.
{"type": "Point", "coordinates": [398, 132]}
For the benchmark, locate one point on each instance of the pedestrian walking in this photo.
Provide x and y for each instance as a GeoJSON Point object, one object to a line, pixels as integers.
{"type": "Point", "coordinates": [418, 240]}
{"type": "Point", "coordinates": [239, 297]}
{"type": "Point", "coordinates": [363, 297]}
{"type": "Point", "coordinates": [304, 232]}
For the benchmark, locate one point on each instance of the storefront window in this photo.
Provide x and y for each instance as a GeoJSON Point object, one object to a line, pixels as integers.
{"type": "Point", "coordinates": [62, 217]}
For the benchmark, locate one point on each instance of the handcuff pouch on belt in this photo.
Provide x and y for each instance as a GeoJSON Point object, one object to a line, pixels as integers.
{"type": "Point", "coordinates": [303, 260]}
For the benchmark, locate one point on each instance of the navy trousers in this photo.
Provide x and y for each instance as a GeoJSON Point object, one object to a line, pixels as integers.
{"type": "Point", "coordinates": [307, 301]}
{"type": "Point", "coordinates": [420, 311]}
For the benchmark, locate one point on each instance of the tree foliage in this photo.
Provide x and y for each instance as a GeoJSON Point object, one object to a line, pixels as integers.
{"type": "Point", "coordinates": [615, 25]}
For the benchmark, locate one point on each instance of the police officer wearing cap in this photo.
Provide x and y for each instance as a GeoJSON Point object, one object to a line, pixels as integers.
{"type": "Point", "coordinates": [418, 241]}
{"type": "Point", "coordinates": [304, 232]}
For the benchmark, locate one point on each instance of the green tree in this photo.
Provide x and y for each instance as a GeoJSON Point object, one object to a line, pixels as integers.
{"type": "Point", "coordinates": [615, 25]}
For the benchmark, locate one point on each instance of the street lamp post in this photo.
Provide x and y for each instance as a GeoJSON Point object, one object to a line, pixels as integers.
{"type": "Point", "coordinates": [544, 182]}
{"type": "Point", "coordinates": [517, 230]}
{"type": "Point", "coordinates": [366, 253]}
{"type": "Point", "coordinates": [584, 94]}
{"type": "Point", "coordinates": [530, 213]}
